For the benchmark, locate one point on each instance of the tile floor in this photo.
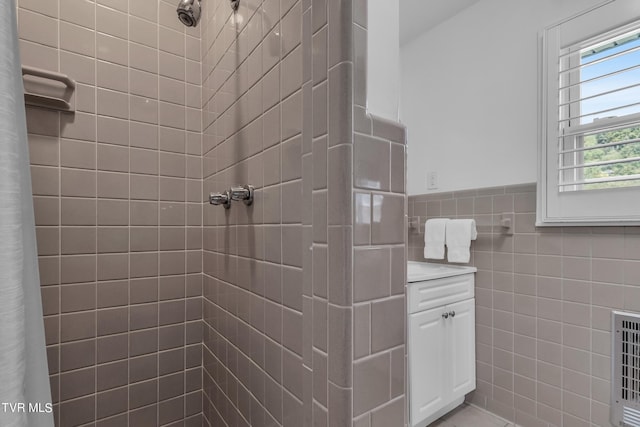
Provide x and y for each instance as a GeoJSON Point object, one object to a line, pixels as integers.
{"type": "Point", "coordinates": [470, 416]}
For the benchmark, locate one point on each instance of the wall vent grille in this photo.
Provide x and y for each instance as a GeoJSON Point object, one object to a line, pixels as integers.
{"type": "Point", "coordinates": [625, 369]}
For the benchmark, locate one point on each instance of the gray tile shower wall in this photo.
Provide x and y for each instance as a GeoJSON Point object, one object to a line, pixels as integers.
{"type": "Point", "coordinates": [279, 276]}
{"type": "Point", "coordinates": [161, 309]}
{"type": "Point", "coordinates": [543, 303]}
{"type": "Point", "coordinates": [253, 255]}
{"type": "Point", "coordinates": [117, 194]}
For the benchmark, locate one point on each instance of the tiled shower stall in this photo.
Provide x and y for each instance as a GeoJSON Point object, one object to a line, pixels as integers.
{"type": "Point", "coordinates": [161, 309]}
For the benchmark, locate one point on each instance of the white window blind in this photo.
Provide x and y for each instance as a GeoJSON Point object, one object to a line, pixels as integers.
{"type": "Point", "coordinates": [599, 112]}
{"type": "Point", "coordinates": [590, 145]}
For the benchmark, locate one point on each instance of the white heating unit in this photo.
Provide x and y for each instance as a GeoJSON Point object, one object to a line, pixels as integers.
{"type": "Point", "coordinates": [625, 369]}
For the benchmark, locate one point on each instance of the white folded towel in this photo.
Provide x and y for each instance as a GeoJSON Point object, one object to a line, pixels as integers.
{"type": "Point", "coordinates": [459, 234]}
{"type": "Point", "coordinates": [434, 237]}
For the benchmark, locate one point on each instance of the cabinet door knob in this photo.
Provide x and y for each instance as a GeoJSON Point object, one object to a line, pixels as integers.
{"type": "Point", "coordinates": [445, 315]}
{"type": "Point", "coordinates": [452, 313]}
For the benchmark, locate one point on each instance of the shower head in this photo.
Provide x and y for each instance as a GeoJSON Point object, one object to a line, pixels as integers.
{"type": "Point", "coordinates": [189, 12]}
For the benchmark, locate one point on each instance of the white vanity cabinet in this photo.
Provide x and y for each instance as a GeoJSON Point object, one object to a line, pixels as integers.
{"type": "Point", "coordinates": [441, 349]}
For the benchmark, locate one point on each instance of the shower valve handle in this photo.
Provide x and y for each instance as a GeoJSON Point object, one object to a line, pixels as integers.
{"type": "Point", "coordinates": [243, 192]}
{"type": "Point", "coordinates": [220, 199]}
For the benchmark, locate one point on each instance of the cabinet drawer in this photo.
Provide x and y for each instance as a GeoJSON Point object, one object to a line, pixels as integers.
{"type": "Point", "coordinates": [438, 292]}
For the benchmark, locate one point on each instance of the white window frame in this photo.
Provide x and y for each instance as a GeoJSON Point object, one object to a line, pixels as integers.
{"type": "Point", "coordinates": [605, 207]}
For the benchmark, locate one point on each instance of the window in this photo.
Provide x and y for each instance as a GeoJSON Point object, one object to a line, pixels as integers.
{"type": "Point", "coordinates": [590, 147]}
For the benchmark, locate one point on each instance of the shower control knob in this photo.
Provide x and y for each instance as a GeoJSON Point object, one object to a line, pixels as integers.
{"type": "Point", "coordinates": [243, 192]}
{"type": "Point", "coordinates": [220, 199]}
{"type": "Point", "coordinates": [445, 315]}
{"type": "Point", "coordinates": [452, 313]}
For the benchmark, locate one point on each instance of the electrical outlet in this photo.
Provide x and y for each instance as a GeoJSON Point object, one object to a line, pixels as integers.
{"type": "Point", "coordinates": [432, 180]}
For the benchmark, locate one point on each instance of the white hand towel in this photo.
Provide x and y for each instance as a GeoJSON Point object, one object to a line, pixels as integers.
{"type": "Point", "coordinates": [434, 237]}
{"type": "Point", "coordinates": [459, 234]}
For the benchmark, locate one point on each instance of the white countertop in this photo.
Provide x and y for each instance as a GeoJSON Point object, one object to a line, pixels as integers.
{"type": "Point", "coordinates": [420, 271]}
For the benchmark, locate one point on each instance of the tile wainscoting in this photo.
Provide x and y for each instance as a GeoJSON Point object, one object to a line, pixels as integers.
{"type": "Point", "coordinates": [544, 297]}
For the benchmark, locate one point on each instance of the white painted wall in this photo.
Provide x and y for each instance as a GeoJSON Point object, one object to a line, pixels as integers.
{"type": "Point", "coordinates": [470, 94]}
{"type": "Point", "coordinates": [383, 58]}
{"type": "Point", "coordinates": [419, 16]}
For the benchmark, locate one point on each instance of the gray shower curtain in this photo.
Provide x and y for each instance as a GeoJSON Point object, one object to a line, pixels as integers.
{"type": "Point", "coordinates": [25, 396]}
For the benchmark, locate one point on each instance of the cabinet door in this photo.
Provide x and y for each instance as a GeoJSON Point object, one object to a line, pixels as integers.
{"type": "Point", "coordinates": [427, 350]}
{"type": "Point", "coordinates": [462, 335]}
